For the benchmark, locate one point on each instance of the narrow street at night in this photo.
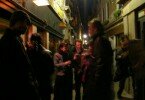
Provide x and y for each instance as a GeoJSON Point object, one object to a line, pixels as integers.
{"type": "Point", "coordinates": [72, 49]}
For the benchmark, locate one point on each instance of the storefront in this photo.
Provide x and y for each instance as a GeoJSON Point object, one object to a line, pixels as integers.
{"type": "Point", "coordinates": [38, 25]}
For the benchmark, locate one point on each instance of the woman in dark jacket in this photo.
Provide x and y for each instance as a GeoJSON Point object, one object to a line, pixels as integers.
{"type": "Point", "coordinates": [63, 82]}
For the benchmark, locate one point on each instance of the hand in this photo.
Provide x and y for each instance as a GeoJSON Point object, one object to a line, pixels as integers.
{"type": "Point", "coordinates": [61, 73]}
{"type": "Point", "coordinates": [68, 62]}
{"type": "Point", "coordinates": [76, 56]}
{"type": "Point", "coordinates": [124, 54]}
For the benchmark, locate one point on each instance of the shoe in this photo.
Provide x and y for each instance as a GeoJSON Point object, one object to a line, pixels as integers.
{"type": "Point", "coordinates": [119, 97]}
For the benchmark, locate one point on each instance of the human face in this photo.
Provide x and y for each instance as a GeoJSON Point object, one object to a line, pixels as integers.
{"type": "Point", "coordinates": [91, 29]}
{"type": "Point", "coordinates": [78, 45]}
{"type": "Point", "coordinates": [90, 50]}
{"type": "Point", "coordinates": [125, 43]}
{"type": "Point", "coordinates": [29, 45]}
{"type": "Point", "coordinates": [20, 27]}
{"type": "Point", "coordinates": [64, 49]}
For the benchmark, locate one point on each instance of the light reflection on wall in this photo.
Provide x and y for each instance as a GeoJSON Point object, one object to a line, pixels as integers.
{"type": "Point", "coordinates": [58, 5]}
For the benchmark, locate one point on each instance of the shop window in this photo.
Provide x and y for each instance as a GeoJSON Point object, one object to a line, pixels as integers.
{"type": "Point", "coordinates": [140, 26]}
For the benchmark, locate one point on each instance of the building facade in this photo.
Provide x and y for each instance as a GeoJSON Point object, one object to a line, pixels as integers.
{"type": "Point", "coordinates": [123, 17]}
{"type": "Point", "coordinates": [45, 20]}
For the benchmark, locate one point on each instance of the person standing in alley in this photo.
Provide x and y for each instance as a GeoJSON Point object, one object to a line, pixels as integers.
{"type": "Point", "coordinates": [43, 65]}
{"type": "Point", "coordinates": [63, 81]}
{"type": "Point", "coordinates": [17, 80]}
{"type": "Point", "coordinates": [124, 66]}
{"type": "Point", "coordinates": [86, 60]}
{"type": "Point", "coordinates": [99, 81]}
{"type": "Point", "coordinates": [76, 63]}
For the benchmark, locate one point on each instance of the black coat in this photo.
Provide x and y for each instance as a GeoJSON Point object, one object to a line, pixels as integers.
{"type": "Point", "coordinates": [98, 85]}
{"type": "Point", "coordinates": [43, 66]}
{"type": "Point", "coordinates": [16, 75]}
{"type": "Point", "coordinates": [123, 63]}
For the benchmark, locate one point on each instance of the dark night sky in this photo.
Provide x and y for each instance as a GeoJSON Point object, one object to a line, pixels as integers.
{"type": "Point", "coordinates": [85, 9]}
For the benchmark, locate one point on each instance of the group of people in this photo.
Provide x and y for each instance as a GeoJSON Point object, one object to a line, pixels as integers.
{"type": "Point", "coordinates": [26, 70]}
{"type": "Point", "coordinates": [92, 68]}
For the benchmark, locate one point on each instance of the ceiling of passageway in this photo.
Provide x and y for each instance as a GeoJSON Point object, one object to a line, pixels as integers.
{"type": "Point", "coordinates": [87, 10]}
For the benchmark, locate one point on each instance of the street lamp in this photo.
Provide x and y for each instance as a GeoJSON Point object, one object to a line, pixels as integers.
{"type": "Point", "coordinates": [84, 36]}
{"type": "Point", "coordinates": [41, 2]}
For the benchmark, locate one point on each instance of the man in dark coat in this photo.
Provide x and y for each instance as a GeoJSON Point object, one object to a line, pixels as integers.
{"type": "Point", "coordinates": [98, 85]}
{"type": "Point", "coordinates": [16, 73]}
{"type": "Point", "coordinates": [43, 65]}
{"type": "Point", "coordinates": [124, 69]}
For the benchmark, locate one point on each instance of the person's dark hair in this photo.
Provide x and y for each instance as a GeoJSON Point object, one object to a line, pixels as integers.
{"type": "Point", "coordinates": [36, 38]}
{"type": "Point", "coordinates": [19, 16]}
{"type": "Point", "coordinates": [96, 23]}
{"type": "Point", "coordinates": [78, 40]}
{"type": "Point", "coordinates": [62, 44]}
